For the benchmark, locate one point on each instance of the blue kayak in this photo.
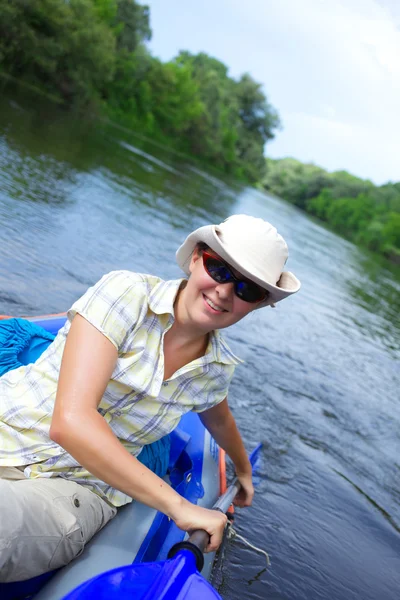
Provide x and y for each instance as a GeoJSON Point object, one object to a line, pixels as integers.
{"type": "Point", "coordinates": [137, 534]}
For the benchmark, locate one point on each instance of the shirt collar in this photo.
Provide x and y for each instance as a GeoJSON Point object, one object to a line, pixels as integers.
{"type": "Point", "coordinates": [221, 350]}
{"type": "Point", "coordinates": [162, 296]}
{"type": "Point", "coordinates": [161, 301]}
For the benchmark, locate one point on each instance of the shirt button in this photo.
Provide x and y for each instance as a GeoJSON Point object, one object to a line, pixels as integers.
{"type": "Point", "coordinates": [77, 503]}
{"type": "Point", "coordinates": [165, 384]}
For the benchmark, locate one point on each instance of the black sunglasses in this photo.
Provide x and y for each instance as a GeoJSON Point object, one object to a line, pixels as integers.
{"type": "Point", "coordinates": [245, 289]}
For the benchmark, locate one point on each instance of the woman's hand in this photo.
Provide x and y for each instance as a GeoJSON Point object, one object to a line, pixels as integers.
{"type": "Point", "coordinates": [191, 517]}
{"type": "Point", "coordinates": [245, 495]}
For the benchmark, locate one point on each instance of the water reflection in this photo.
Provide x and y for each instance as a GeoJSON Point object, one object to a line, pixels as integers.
{"type": "Point", "coordinates": [376, 290]}
{"type": "Point", "coordinates": [44, 148]}
{"type": "Point", "coordinates": [34, 178]}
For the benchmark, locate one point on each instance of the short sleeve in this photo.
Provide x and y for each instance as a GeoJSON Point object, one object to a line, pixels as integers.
{"type": "Point", "coordinates": [113, 305]}
{"type": "Point", "coordinates": [216, 389]}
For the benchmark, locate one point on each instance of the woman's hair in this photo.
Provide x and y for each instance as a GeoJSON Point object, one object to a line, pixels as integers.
{"type": "Point", "coordinates": [202, 247]}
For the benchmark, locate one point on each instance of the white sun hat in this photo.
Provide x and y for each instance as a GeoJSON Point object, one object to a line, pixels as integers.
{"type": "Point", "coordinates": [253, 247]}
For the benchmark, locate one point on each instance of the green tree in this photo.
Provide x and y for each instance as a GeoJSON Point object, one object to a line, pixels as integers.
{"type": "Point", "coordinates": [295, 181]}
{"type": "Point", "coordinates": [237, 120]}
{"type": "Point", "coordinates": [319, 205]}
{"type": "Point", "coordinates": [258, 121]}
{"type": "Point", "coordinates": [175, 101]}
{"type": "Point", "coordinates": [61, 46]}
{"type": "Point", "coordinates": [132, 24]}
{"type": "Point", "coordinates": [342, 183]}
{"type": "Point", "coordinates": [213, 133]}
{"type": "Point", "coordinates": [391, 230]}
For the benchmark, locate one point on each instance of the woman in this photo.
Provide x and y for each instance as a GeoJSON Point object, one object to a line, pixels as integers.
{"type": "Point", "coordinates": [135, 354]}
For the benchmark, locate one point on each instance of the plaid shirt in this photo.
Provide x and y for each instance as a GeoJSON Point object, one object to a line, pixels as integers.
{"type": "Point", "coordinates": [134, 312]}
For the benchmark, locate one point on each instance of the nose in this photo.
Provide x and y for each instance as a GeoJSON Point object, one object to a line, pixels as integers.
{"type": "Point", "coordinates": [225, 290]}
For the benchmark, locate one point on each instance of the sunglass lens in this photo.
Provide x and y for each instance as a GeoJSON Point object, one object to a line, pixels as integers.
{"type": "Point", "coordinates": [245, 290]}
{"type": "Point", "coordinates": [217, 270]}
{"type": "Point", "coordinates": [249, 291]}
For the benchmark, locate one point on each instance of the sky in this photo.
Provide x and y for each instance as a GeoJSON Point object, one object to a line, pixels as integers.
{"type": "Point", "coordinates": [331, 68]}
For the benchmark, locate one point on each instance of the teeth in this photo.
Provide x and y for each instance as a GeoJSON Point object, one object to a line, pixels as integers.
{"type": "Point", "coordinates": [214, 306]}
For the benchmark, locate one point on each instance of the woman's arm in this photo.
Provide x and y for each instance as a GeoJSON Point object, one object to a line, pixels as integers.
{"type": "Point", "coordinates": [221, 424]}
{"type": "Point", "coordinates": [88, 362]}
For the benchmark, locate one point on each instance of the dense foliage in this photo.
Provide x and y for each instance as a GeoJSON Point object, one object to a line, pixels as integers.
{"type": "Point", "coordinates": [356, 208]}
{"type": "Point", "coordinates": [92, 54]}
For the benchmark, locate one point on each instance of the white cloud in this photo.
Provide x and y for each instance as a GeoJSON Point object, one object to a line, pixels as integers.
{"type": "Point", "coordinates": [318, 139]}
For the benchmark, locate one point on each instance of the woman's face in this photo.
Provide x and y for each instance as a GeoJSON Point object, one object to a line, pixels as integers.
{"type": "Point", "coordinates": [209, 304]}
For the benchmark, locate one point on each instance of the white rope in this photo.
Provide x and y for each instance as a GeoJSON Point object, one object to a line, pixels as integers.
{"type": "Point", "coordinates": [232, 535]}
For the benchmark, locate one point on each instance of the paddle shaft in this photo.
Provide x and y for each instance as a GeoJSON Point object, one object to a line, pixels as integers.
{"type": "Point", "coordinates": [200, 538]}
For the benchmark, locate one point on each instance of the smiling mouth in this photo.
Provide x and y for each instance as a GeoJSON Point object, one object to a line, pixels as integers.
{"type": "Point", "coordinates": [215, 307]}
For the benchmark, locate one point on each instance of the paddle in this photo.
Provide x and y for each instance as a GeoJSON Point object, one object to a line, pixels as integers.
{"type": "Point", "coordinates": [177, 578]}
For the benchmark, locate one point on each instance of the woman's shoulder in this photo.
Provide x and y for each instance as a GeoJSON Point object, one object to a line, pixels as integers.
{"type": "Point", "coordinates": [115, 291]}
{"type": "Point", "coordinates": [124, 275]}
{"type": "Point", "coordinates": [117, 302]}
{"type": "Point", "coordinates": [124, 280]}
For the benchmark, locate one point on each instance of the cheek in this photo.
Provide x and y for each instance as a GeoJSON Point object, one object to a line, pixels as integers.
{"type": "Point", "coordinates": [204, 281]}
{"type": "Point", "coordinates": [200, 281]}
{"type": "Point", "coordinates": [242, 308]}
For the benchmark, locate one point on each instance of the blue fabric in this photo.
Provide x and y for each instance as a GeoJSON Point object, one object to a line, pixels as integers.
{"type": "Point", "coordinates": [179, 439]}
{"type": "Point", "coordinates": [21, 343]}
{"type": "Point", "coordinates": [36, 347]}
{"type": "Point", "coordinates": [155, 456]}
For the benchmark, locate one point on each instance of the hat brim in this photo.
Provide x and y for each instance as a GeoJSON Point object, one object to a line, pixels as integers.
{"type": "Point", "coordinates": [287, 285]}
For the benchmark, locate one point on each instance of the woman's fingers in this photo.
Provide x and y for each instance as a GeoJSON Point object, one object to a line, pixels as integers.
{"type": "Point", "coordinates": [246, 493]}
{"type": "Point", "coordinates": [194, 517]}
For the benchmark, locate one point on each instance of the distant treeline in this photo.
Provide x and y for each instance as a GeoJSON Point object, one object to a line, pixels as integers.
{"type": "Point", "coordinates": [92, 54]}
{"type": "Point", "coordinates": [362, 212]}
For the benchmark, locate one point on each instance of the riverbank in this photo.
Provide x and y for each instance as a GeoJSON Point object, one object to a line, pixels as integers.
{"type": "Point", "coordinates": [360, 211]}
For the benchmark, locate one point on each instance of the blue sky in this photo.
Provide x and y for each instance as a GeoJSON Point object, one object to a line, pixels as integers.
{"type": "Point", "coordinates": [330, 67]}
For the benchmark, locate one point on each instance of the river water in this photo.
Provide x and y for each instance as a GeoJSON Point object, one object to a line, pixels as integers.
{"type": "Point", "coordinates": [320, 386]}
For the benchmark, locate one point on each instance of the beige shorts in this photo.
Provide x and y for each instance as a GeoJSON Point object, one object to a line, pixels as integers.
{"type": "Point", "coordinates": [44, 523]}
